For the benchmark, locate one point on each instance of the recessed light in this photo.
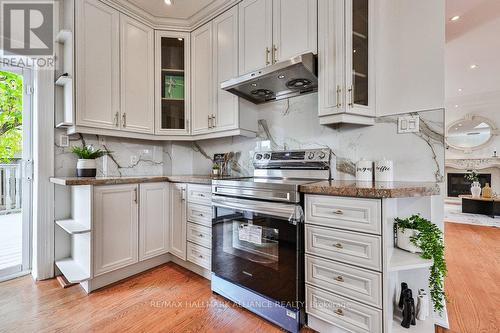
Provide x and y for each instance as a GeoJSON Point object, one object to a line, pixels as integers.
{"type": "Point", "coordinates": [456, 105]}
{"type": "Point", "coordinates": [281, 76]}
{"type": "Point", "coordinates": [168, 2]}
{"type": "Point", "coordinates": [460, 89]}
{"type": "Point", "coordinates": [254, 84]}
{"type": "Point", "coordinates": [460, 125]}
{"type": "Point", "coordinates": [455, 18]}
{"type": "Point", "coordinates": [354, 51]}
{"type": "Point", "coordinates": [181, 39]}
{"type": "Point", "coordinates": [473, 66]}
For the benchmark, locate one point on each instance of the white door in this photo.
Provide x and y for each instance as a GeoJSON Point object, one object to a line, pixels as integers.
{"type": "Point", "coordinates": [97, 63]}
{"type": "Point", "coordinates": [154, 203]}
{"type": "Point", "coordinates": [137, 76]}
{"type": "Point", "coordinates": [16, 171]}
{"type": "Point", "coordinates": [202, 92]}
{"type": "Point", "coordinates": [295, 28]}
{"type": "Point", "coordinates": [225, 67]}
{"type": "Point", "coordinates": [115, 227]}
{"type": "Point", "coordinates": [178, 221]}
{"type": "Point", "coordinates": [255, 34]}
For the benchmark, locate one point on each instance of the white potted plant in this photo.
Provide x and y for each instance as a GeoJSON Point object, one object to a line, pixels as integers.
{"type": "Point", "coordinates": [86, 165]}
{"type": "Point", "coordinates": [475, 188]}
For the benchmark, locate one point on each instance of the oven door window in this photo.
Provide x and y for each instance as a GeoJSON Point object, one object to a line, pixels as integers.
{"type": "Point", "coordinates": [256, 251]}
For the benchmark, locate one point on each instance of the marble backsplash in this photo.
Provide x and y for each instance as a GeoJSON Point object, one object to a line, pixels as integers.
{"type": "Point", "coordinates": [290, 124]}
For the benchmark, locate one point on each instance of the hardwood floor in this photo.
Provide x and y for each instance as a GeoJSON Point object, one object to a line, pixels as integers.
{"type": "Point", "coordinates": [473, 281]}
{"type": "Point", "coordinates": [168, 298]}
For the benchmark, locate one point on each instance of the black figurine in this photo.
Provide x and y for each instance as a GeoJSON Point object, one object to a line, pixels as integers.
{"type": "Point", "coordinates": [404, 287]}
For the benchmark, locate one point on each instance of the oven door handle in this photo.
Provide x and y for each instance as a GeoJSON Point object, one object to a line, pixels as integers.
{"type": "Point", "coordinates": [291, 212]}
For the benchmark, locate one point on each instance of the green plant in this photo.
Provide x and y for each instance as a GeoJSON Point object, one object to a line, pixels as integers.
{"type": "Point", "coordinates": [88, 152]}
{"type": "Point", "coordinates": [11, 115]}
{"type": "Point", "coordinates": [215, 166]}
{"type": "Point", "coordinates": [472, 176]}
{"type": "Point", "coordinates": [430, 240]}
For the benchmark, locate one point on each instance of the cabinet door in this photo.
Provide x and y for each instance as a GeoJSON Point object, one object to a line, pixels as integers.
{"type": "Point", "coordinates": [153, 219]}
{"type": "Point", "coordinates": [256, 34]}
{"type": "Point", "coordinates": [359, 57]}
{"type": "Point", "coordinates": [331, 56]}
{"type": "Point", "coordinates": [201, 62]}
{"type": "Point", "coordinates": [137, 71]}
{"type": "Point", "coordinates": [115, 227]}
{"type": "Point", "coordinates": [225, 67]}
{"type": "Point", "coordinates": [295, 28]}
{"type": "Point", "coordinates": [172, 83]}
{"type": "Point", "coordinates": [178, 222]}
{"type": "Point", "coordinates": [97, 63]}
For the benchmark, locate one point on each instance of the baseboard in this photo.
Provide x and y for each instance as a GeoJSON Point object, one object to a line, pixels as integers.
{"type": "Point", "coordinates": [192, 267]}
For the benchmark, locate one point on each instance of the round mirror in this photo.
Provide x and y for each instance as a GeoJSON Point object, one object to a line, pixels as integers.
{"type": "Point", "coordinates": [470, 133]}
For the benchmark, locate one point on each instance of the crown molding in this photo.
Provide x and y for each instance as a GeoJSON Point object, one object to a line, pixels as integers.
{"type": "Point", "coordinates": [163, 23]}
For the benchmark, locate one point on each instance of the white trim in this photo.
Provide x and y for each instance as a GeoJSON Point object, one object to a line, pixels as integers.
{"type": "Point", "coordinates": [14, 275]}
{"type": "Point", "coordinates": [43, 190]}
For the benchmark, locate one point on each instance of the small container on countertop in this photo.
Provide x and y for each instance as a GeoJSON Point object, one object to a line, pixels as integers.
{"type": "Point", "coordinates": [384, 171]}
{"type": "Point", "coordinates": [364, 171]}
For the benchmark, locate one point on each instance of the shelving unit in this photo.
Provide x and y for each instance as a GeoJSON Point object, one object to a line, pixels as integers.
{"type": "Point", "coordinates": [73, 227]}
{"type": "Point", "coordinates": [426, 326]}
{"type": "Point", "coordinates": [402, 260]}
{"type": "Point", "coordinates": [72, 270]}
{"type": "Point", "coordinates": [64, 82]}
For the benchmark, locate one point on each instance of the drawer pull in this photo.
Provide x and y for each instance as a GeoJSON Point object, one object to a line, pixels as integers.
{"type": "Point", "coordinates": [201, 235]}
{"type": "Point", "coordinates": [339, 312]}
{"type": "Point", "coordinates": [338, 246]}
{"type": "Point", "coordinates": [200, 256]}
{"type": "Point", "coordinates": [201, 215]}
{"type": "Point", "coordinates": [338, 212]}
{"type": "Point", "coordinates": [339, 278]}
{"type": "Point", "coordinates": [201, 195]}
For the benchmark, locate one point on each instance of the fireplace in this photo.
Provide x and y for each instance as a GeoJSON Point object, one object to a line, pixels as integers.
{"type": "Point", "coordinates": [457, 184]}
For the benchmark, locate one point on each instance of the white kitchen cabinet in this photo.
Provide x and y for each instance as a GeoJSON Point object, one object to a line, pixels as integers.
{"type": "Point", "coordinates": [255, 34]}
{"type": "Point", "coordinates": [97, 65]}
{"type": "Point", "coordinates": [346, 61]}
{"type": "Point", "coordinates": [172, 83]}
{"type": "Point", "coordinates": [137, 76]}
{"type": "Point", "coordinates": [275, 30]}
{"type": "Point", "coordinates": [154, 217]}
{"type": "Point", "coordinates": [115, 219]}
{"type": "Point", "coordinates": [178, 221]}
{"type": "Point", "coordinates": [202, 65]}
{"type": "Point", "coordinates": [295, 28]}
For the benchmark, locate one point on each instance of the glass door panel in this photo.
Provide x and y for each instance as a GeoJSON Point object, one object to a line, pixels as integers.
{"type": "Point", "coordinates": [360, 60]}
{"type": "Point", "coordinates": [173, 110]}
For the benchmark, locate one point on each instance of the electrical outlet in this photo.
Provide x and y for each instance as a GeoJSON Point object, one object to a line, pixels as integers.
{"type": "Point", "coordinates": [409, 124]}
{"type": "Point", "coordinates": [134, 159]}
{"type": "Point", "coordinates": [64, 140]}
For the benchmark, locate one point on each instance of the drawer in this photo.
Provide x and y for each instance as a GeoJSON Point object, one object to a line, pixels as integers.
{"type": "Point", "coordinates": [199, 214]}
{"type": "Point", "coordinates": [200, 194]}
{"type": "Point", "coordinates": [345, 213]}
{"type": "Point", "coordinates": [343, 313]}
{"type": "Point", "coordinates": [345, 280]}
{"type": "Point", "coordinates": [345, 246]}
{"type": "Point", "coordinates": [199, 234]}
{"type": "Point", "coordinates": [199, 255]}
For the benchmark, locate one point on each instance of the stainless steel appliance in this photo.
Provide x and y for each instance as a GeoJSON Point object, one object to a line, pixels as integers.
{"type": "Point", "coordinates": [258, 234]}
{"type": "Point", "coordinates": [285, 79]}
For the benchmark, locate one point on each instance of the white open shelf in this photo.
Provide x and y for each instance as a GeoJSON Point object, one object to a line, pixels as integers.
{"type": "Point", "coordinates": [63, 36]}
{"type": "Point", "coordinates": [63, 80]}
{"type": "Point", "coordinates": [403, 261]}
{"type": "Point", "coordinates": [72, 271]}
{"type": "Point", "coordinates": [425, 326]}
{"type": "Point", "coordinates": [72, 227]}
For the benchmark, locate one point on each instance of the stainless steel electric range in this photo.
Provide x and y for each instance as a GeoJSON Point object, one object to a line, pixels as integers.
{"type": "Point", "coordinates": [258, 234]}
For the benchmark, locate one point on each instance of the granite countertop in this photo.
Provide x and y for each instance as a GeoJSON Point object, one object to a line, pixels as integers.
{"type": "Point", "coordinates": [371, 189]}
{"type": "Point", "coordinates": [193, 179]}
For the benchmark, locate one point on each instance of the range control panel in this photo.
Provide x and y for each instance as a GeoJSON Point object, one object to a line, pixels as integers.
{"type": "Point", "coordinates": [292, 157]}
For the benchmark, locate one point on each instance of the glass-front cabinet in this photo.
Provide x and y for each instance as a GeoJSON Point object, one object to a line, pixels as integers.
{"type": "Point", "coordinates": [172, 83]}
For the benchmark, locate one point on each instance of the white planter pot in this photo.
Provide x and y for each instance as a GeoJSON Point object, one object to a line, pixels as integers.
{"type": "Point", "coordinates": [86, 168]}
{"type": "Point", "coordinates": [475, 190]}
{"type": "Point", "coordinates": [404, 241]}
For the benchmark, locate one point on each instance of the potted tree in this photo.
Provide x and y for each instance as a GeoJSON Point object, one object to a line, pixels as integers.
{"type": "Point", "coordinates": [86, 165]}
{"type": "Point", "coordinates": [473, 177]}
{"type": "Point", "coordinates": [427, 238]}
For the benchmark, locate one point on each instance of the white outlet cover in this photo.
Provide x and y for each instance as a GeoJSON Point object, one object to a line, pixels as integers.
{"type": "Point", "coordinates": [64, 140]}
{"type": "Point", "coordinates": [409, 124]}
{"type": "Point", "coordinates": [134, 159]}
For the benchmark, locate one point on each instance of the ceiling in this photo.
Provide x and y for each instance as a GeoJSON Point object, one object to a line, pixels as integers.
{"type": "Point", "coordinates": [180, 9]}
{"type": "Point", "coordinates": [474, 39]}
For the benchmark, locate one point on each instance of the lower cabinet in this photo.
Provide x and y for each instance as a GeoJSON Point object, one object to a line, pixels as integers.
{"type": "Point", "coordinates": [154, 219]}
{"type": "Point", "coordinates": [199, 226]}
{"type": "Point", "coordinates": [116, 225]}
{"type": "Point", "coordinates": [178, 222]}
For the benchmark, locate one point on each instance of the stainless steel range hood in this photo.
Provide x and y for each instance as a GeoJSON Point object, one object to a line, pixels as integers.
{"type": "Point", "coordinates": [293, 77]}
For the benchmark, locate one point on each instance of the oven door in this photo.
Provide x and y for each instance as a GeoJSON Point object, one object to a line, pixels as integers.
{"type": "Point", "coordinates": [259, 245]}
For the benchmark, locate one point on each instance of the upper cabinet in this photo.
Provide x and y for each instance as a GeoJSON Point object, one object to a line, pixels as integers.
{"type": "Point", "coordinates": [172, 83]}
{"type": "Point", "coordinates": [346, 61]}
{"type": "Point", "coordinates": [275, 30]}
{"type": "Point", "coordinates": [97, 65]}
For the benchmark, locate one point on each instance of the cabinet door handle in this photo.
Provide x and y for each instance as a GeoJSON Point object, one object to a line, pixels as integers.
{"type": "Point", "coordinates": [209, 122]}
{"type": "Point", "coordinates": [115, 121]}
{"type": "Point", "coordinates": [214, 122]}
{"type": "Point", "coordinates": [339, 97]}
{"type": "Point", "coordinates": [135, 195]}
{"type": "Point", "coordinates": [338, 212]}
{"type": "Point", "coordinates": [183, 194]}
{"type": "Point", "coordinates": [267, 56]}
{"type": "Point", "coordinates": [351, 96]}
{"type": "Point", "coordinates": [124, 120]}
{"type": "Point", "coordinates": [275, 54]}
